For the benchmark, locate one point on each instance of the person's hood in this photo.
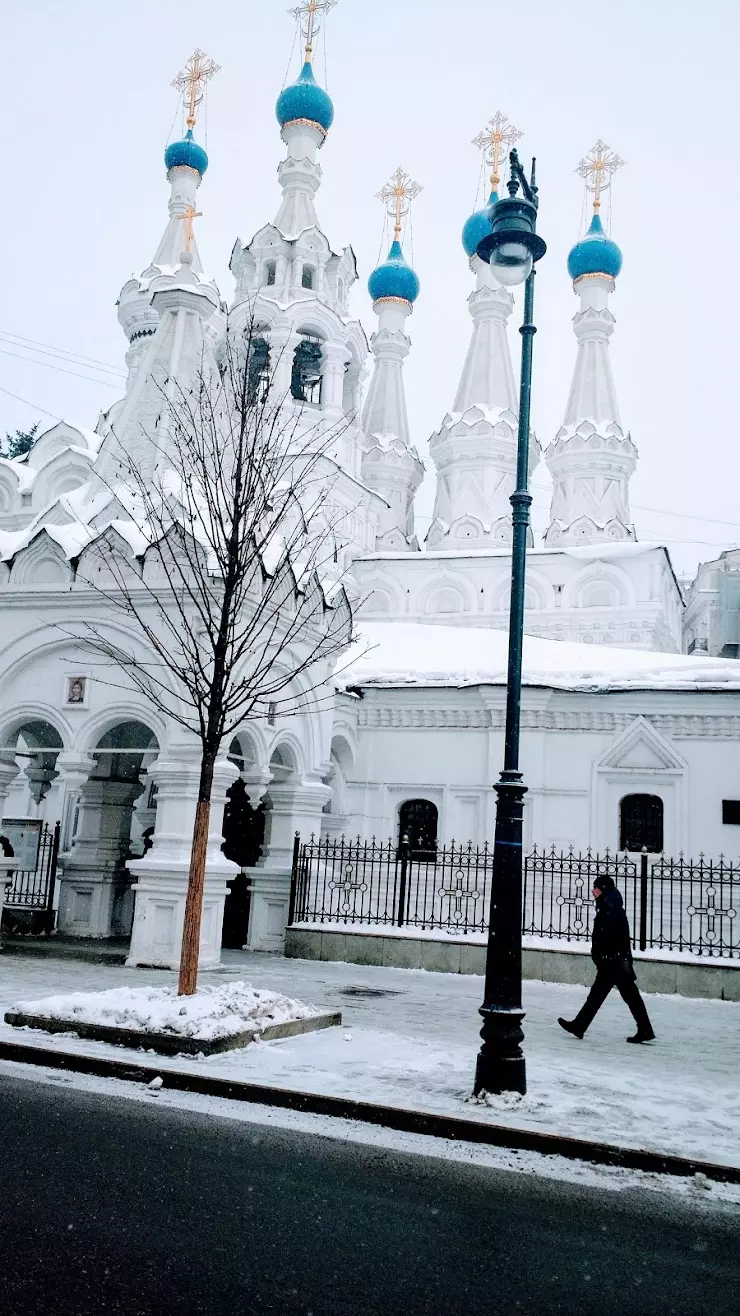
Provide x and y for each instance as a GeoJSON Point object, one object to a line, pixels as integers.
{"type": "Point", "coordinates": [612, 900]}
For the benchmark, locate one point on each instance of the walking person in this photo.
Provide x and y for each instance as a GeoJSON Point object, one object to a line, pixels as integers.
{"type": "Point", "coordinates": [611, 952]}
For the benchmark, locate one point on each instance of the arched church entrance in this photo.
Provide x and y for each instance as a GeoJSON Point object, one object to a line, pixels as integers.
{"type": "Point", "coordinates": [114, 821]}
{"type": "Point", "coordinates": [244, 835]}
{"type": "Point", "coordinates": [35, 745]}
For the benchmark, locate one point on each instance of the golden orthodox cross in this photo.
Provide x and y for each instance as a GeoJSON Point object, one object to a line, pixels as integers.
{"type": "Point", "coordinates": [597, 168]}
{"type": "Point", "coordinates": [397, 196]}
{"type": "Point", "coordinates": [496, 141]}
{"type": "Point", "coordinates": [190, 214]}
{"type": "Point", "coordinates": [309, 14]}
{"type": "Point", "coordinates": [191, 82]}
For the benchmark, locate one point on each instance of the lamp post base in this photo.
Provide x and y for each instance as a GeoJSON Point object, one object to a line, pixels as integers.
{"type": "Point", "coordinates": [500, 1066]}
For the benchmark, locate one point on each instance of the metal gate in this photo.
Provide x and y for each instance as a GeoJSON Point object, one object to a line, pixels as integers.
{"type": "Point", "coordinates": [32, 890]}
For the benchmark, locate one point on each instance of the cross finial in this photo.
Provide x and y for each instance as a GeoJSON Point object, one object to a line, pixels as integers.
{"type": "Point", "coordinates": [495, 141]}
{"type": "Point", "coordinates": [190, 214]}
{"type": "Point", "coordinates": [191, 81]}
{"type": "Point", "coordinates": [309, 15]}
{"type": "Point", "coordinates": [397, 196]}
{"type": "Point", "coordinates": [597, 168]}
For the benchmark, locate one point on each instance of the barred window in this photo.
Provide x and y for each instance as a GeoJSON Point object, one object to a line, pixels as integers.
{"type": "Point", "coordinates": [641, 823]}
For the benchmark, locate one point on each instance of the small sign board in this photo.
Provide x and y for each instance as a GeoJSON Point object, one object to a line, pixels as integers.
{"type": "Point", "coordinates": [20, 839]}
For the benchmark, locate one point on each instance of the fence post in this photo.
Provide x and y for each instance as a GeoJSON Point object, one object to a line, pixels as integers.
{"type": "Point", "coordinates": [294, 878]}
{"type": "Point", "coordinates": [404, 851]}
{"type": "Point", "coordinates": [49, 912]}
{"type": "Point", "coordinates": [643, 898]}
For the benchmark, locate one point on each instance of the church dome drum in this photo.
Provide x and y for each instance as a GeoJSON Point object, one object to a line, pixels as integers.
{"type": "Point", "coordinates": [305, 99]}
{"type": "Point", "coordinates": [595, 254]}
{"type": "Point", "coordinates": [394, 278]}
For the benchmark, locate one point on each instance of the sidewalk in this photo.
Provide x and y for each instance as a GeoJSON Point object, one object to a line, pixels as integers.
{"type": "Point", "coordinates": [411, 1042]}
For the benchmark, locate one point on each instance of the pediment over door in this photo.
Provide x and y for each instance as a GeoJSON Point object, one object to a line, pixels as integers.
{"type": "Point", "coordinates": [641, 748]}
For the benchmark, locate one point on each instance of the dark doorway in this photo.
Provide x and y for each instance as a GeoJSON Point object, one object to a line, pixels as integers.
{"type": "Point", "coordinates": [641, 823]}
{"type": "Point", "coordinates": [244, 834]}
{"type": "Point", "coordinates": [417, 819]}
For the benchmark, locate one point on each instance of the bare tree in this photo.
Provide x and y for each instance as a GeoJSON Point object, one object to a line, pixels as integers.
{"type": "Point", "coordinates": [240, 519]}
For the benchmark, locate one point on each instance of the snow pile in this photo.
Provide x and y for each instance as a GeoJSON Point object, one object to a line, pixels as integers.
{"type": "Point", "coordinates": [414, 653]}
{"type": "Point", "coordinates": [211, 1013]}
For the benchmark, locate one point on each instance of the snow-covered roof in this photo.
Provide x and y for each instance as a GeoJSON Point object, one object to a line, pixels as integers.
{"type": "Point", "coordinates": [601, 552]}
{"type": "Point", "coordinates": [414, 654]}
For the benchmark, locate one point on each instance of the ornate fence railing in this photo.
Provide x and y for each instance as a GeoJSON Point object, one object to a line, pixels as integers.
{"type": "Point", "coordinates": [672, 904]}
{"type": "Point", "coordinates": [33, 889]}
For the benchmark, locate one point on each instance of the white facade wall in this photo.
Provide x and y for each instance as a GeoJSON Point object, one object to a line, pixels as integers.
{"type": "Point", "coordinates": [624, 595]}
{"type": "Point", "coordinates": [580, 754]}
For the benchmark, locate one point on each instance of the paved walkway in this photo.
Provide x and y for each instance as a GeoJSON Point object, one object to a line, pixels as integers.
{"type": "Point", "coordinates": [410, 1038]}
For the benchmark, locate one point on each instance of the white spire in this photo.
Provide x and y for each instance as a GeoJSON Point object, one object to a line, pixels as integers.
{"type": "Point", "coordinates": [179, 234]}
{"type": "Point", "coordinates": [175, 358]}
{"type": "Point", "coordinates": [591, 458]}
{"type": "Point", "coordinates": [390, 463]}
{"type": "Point", "coordinates": [474, 450]}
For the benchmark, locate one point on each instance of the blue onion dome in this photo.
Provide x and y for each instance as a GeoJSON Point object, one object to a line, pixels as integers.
{"type": "Point", "coordinates": [187, 152]}
{"type": "Point", "coordinates": [394, 278]}
{"type": "Point", "coordinates": [478, 226]}
{"type": "Point", "coordinates": [305, 99]}
{"type": "Point", "coordinates": [595, 254]}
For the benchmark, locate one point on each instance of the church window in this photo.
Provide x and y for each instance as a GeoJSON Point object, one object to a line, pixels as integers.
{"type": "Point", "coordinates": [641, 823]}
{"type": "Point", "coordinates": [307, 276]}
{"type": "Point", "coordinates": [417, 821]}
{"type": "Point", "coordinates": [731, 812]}
{"type": "Point", "coordinates": [305, 383]}
{"type": "Point", "coordinates": [599, 594]}
{"type": "Point", "coordinates": [258, 379]}
{"type": "Point", "coordinates": [270, 273]}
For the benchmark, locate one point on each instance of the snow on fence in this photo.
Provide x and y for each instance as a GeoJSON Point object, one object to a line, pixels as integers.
{"type": "Point", "coordinates": [672, 904]}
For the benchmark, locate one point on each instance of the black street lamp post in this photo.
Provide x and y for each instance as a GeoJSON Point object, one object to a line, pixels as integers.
{"type": "Point", "coordinates": [512, 248]}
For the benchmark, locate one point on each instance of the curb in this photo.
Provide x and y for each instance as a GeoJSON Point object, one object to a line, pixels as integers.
{"type": "Point", "coordinates": [451, 1127]}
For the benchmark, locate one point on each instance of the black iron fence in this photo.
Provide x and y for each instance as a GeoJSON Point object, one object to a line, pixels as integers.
{"type": "Point", "coordinates": [672, 904]}
{"type": "Point", "coordinates": [33, 889]}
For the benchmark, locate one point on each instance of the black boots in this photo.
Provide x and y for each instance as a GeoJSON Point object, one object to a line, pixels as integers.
{"type": "Point", "coordinates": [571, 1028]}
{"type": "Point", "coordinates": [643, 1037]}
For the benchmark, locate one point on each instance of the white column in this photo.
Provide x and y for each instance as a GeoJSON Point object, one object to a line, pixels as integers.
{"type": "Point", "coordinates": [95, 891]}
{"type": "Point", "coordinates": [162, 874]}
{"type": "Point", "coordinates": [296, 807]}
{"type": "Point", "coordinates": [8, 772]}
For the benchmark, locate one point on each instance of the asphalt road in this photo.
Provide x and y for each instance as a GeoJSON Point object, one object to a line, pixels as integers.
{"type": "Point", "coordinates": [109, 1205]}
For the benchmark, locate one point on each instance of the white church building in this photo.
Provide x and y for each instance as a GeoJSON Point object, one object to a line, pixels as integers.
{"type": "Point", "coordinates": [617, 720]}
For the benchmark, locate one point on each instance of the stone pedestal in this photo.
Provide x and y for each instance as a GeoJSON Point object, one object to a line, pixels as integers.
{"type": "Point", "coordinates": [95, 897]}
{"type": "Point", "coordinates": [296, 807]}
{"type": "Point", "coordinates": [162, 875]}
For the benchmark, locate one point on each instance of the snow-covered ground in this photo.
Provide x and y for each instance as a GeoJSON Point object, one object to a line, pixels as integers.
{"type": "Point", "coordinates": [216, 1010]}
{"type": "Point", "coordinates": [415, 1047]}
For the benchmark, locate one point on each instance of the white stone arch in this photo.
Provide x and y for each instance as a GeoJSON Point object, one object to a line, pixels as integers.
{"type": "Point", "coordinates": [9, 488]}
{"type": "Point", "coordinates": [600, 576]}
{"type": "Point", "coordinates": [96, 727]}
{"type": "Point", "coordinates": [383, 596]}
{"type": "Point", "coordinates": [287, 750]}
{"type": "Point", "coordinates": [446, 596]}
{"type": "Point", "coordinates": [537, 594]}
{"type": "Point", "coordinates": [12, 722]}
{"type": "Point", "coordinates": [41, 562]}
{"type": "Point", "coordinates": [66, 470]}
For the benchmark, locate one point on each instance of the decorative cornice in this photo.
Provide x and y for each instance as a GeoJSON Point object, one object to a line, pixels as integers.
{"type": "Point", "coordinates": [678, 726]}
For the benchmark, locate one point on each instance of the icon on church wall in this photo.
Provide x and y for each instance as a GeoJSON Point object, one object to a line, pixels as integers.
{"type": "Point", "coordinates": [76, 689]}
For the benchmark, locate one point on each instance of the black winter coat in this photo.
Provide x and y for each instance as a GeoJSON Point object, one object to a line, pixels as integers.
{"type": "Point", "coordinates": [610, 936]}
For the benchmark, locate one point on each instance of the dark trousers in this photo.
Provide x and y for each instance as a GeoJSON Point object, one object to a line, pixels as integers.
{"type": "Point", "coordinates": [619, 974]}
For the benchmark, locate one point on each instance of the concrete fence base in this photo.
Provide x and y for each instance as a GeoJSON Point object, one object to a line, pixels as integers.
{"type": "Point", "coordinates": [717, 980]}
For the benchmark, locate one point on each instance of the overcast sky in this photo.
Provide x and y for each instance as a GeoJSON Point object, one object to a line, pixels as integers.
{"type": "Point", "coordinates": [89, 108]}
